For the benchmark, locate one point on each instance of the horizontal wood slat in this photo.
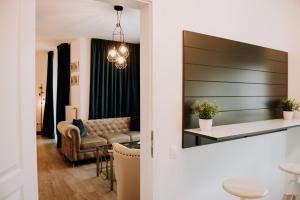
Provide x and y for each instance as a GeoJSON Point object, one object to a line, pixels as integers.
{"type": "Point", "coordinates": [235, 103]}
{"type": "Point", "coordinates": [217, 89]}
{"type": "Point", "coordinates": [197, 40]}
{"type": "Point", "coordinates": [234, 117]}
{"type": "Point", "coordinates": [207, 73]}
{"type": "Point", "coordinates": [211, 58]}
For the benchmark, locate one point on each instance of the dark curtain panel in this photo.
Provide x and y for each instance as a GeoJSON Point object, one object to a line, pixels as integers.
{"type": "Point", "coordinates": [48, 120]}
{"type": "Point", "coordinates": [114, 92]}
{"type": "Point", "coordinates": [63, 84]}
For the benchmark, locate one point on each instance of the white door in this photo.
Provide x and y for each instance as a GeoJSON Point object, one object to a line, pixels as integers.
{"type": "Point", "coordinates": [18, 179]}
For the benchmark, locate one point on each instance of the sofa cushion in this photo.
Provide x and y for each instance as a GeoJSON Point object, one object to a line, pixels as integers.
{"type": "Point", "coordinates": [134, 136]}
{"type": "Point", "coordinates": [92, 141]}
{"type": "Point", "coordinates": [116, 137]}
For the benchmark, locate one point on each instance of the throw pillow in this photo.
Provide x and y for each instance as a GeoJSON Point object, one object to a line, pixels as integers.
{"type": "Point", "coordinates": [78, 123]}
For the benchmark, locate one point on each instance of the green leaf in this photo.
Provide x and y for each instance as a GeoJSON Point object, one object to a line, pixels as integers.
{"type": "Point", "coordinates": [290, 105]}
{"type": "Point", "coordinates": [205, 109]}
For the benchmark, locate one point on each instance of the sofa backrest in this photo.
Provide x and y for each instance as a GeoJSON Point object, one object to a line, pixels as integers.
{"type": "Point", "coordinates": [107, 126]}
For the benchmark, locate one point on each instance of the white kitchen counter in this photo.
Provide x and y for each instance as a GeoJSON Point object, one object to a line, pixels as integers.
{"type": "Point", "coordinates": [236, 131]}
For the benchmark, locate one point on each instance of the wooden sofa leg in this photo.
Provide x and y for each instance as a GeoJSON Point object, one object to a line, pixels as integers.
{"type": "Point", "coordinates": [66, 159]}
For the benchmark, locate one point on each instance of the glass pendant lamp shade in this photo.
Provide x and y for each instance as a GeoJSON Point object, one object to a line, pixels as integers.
{"type": "Point", "coordinates": [123, 50]}
{"type": "Point", "coordinates": [112, 54]}
{"type": "Point", "coordinates": [120, 62]}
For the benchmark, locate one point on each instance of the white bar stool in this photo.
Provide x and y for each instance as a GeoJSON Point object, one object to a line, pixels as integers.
{"type": "Point", "coordinates": [294, 170]}
{"type": "Point", "coordinates": [244, 189]}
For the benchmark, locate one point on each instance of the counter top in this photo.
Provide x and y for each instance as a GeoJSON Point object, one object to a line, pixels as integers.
{"type": "Point", "coordinates": [235, 131]}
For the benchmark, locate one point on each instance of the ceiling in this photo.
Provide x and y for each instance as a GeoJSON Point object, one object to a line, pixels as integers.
{"type": "Point", "coordinates": [69, 19]}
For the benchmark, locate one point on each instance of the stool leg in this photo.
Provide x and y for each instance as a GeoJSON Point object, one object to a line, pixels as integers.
{"type": "Point", "coordinates": [293, 197]}
{"type": "Point", "coordinates": [289, 197]}
{"type": "Point", "coordinates": [289, 192]}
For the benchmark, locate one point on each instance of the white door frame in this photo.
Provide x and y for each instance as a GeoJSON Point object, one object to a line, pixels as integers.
{"type": "Point", "coordinates": [146, 103]}
{"type": "Point", "coordinates": [18, 171]}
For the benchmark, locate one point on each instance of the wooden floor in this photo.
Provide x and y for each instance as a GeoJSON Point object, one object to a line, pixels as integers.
{"type": "Point", "coordinates": [58, 180]}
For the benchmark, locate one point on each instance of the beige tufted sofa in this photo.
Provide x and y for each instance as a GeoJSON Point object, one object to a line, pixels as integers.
{"type": "Point", "coordinates": [99, 132]}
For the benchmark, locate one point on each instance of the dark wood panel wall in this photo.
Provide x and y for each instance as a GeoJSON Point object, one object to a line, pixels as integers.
{"type": "Point", "coordinates": [247, 81]}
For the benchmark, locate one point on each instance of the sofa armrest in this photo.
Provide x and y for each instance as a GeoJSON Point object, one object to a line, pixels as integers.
{"type": "Point", "coordinates": [134, 136]}
{"type": "Point", "coordinates": [70, 131]}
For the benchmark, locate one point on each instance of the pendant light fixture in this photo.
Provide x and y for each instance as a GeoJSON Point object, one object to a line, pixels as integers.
{"type": "Point", "coordinates": [118, 54]}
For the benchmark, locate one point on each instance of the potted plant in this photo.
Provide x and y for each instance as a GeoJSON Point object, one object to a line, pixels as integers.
{"type": "Point", "coordinates": [206, 112]}
{"type": "Point", "coordinates": [288, 107]}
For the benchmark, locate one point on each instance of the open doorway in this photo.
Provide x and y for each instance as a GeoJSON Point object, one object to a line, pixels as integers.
{"type": "Point", "coordinates": [70, 25]}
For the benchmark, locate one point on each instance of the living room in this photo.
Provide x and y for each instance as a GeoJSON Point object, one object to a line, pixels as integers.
{"type": "Point", "coordinates": [85, 100]}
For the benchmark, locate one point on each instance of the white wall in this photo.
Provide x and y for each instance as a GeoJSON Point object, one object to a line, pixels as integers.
{"type": "Point", "coordinates": [197, 173]}
{"type": "Point", "coordinates": [41, 60]}
{"type": "Point", "coordinates": [79, 94]}
{"type": "Point", "coordinates": [294, 49]}
{"type": "Point", "coordinates": [75, 57]}
{"type": "Point", "coordinates": [84, 70]}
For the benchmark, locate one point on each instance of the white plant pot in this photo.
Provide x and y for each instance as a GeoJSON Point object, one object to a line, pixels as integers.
{"type": "Point", "coordinates": [205, 124]}
{"type": "Point", "coordinates": [288, 115]}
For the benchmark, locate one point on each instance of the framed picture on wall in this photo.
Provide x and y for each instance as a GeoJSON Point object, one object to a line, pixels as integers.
{"type": "Point", "coordinates": [74, 66]}
{"type": "Point", "coordinates": [74, 80]}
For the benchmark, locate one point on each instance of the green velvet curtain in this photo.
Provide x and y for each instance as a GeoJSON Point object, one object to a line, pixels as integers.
{"type": "Point", "coordinates": [63, 84]}
{"type": "Point", "coordinates": [48, 120]}
{"type": "Point", "coordinates": [114, 92]}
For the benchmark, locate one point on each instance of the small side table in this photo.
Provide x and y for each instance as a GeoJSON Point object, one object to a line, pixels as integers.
{"type": "Point", "coordinates": [103, 152]}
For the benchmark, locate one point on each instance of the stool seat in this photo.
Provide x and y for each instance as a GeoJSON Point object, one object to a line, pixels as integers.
{"type": "Point", "coordinates": [245, 189]}
{"type": "Point", "coordinates": [291, 168]}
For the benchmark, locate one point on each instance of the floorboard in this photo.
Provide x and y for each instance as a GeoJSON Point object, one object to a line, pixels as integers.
{"type": "Point", "coordinates": [58, 180]}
